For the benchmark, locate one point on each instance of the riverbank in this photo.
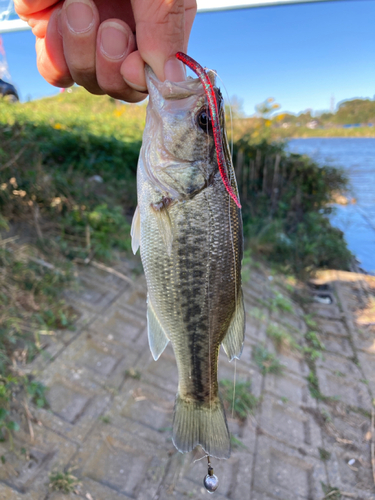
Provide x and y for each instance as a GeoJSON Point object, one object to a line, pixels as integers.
{"type": "Point", "coordinates": [104, 429]}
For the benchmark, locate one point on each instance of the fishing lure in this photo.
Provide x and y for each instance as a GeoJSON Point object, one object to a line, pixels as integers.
{"type": "Point", "coordinates": [214, 112]}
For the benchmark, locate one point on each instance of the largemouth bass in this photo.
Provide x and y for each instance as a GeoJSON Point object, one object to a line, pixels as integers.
{"type": "Point", "coordinates": [189, 230]}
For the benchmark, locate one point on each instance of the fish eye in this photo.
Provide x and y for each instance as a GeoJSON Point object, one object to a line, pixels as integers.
{"type": "Point", "coordinates": [204, 120]}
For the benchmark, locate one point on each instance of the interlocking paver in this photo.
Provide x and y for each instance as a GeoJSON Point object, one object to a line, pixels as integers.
{"type": "Point", "coordinates": [290, 425]}
{"type": "Point", "coordinates": [285, 473]}
{"type": "Point", "coordinates": [111, 405]}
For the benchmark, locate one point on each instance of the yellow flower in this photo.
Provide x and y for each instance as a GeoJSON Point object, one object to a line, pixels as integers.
{"type": "Point", "coordinates": [58, 126]}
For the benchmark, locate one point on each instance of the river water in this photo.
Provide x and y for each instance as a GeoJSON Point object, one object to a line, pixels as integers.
{"type": "Point", "coordinates": [357, 157]}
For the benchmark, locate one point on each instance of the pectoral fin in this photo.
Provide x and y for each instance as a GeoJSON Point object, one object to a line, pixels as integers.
{"type": "Point", "coordinates": [234, 338]}
{"type": "Point", "coordinates": [135, 231]}
{"type": "Point", "coordinates": [165, 228]}
{"type": "Point", "coordinates": [157, 338]}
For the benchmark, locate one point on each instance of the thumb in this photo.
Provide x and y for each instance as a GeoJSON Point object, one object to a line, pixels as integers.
{"type": "Point", "coordinates": [161, 31]}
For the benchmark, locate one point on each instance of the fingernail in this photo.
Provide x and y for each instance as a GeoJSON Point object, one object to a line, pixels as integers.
{"type": "Point", "coordinates": [174, 71]}
{"type": "Point", "coordinates": [135, 87]}
{"type": "Point", "coordinates": [80, 15]}
{"type": "Point", "coordinates": [114, 40]}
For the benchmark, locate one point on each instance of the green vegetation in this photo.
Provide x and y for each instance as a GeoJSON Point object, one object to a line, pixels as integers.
{"type": "Point", "coordinates": [281, 303]}
{"type": "Point", "coordinates": [331, 492]}
{"type": "Point", "coordinates": [63, 481]}
{"type": "Point", "coordinates": [281, 337]}
{"type": "Point", "coordinates": [238, 397]}
{"type": "Point", "coordinates": [359, 112]}
{"type": "Point", "coordinates": [236, 443]}
{"type": "Point", "coordinates": [286, 199]}
{"type": "Point", "coordinates": [324, 454]}
{"type": "Point", "coordinates": [267, 362]}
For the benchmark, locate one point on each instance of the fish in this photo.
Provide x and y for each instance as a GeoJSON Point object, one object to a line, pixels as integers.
{"type": "Point", "coordinates": [188, 227]}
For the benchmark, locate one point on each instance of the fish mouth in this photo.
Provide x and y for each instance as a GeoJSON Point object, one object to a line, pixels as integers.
{"type": "Point", "coordinates": [175, 90]}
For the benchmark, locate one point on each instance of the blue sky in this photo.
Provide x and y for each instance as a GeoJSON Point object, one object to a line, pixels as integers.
{"type": "Point", "coordinates": [299, 54]}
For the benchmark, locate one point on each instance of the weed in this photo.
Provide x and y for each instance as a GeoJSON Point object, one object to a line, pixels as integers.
{"type": "Point", "coordinates": [326, 415]}
{"type": "Point", "coordinates": [63, 481]}
{"type": "Point", "coordinates": [324, 454]}
{"type": "Point", "coordinates": [312, 379]}
{"type": "Point", "coordinates": [132, 373]}
{"type": "Point", "coordinates": [284, 400]}
{"type": "Point", "coordinates": [339, 374]}
{"type": "Point", "coordinates": [314, 340]}
{"type": "Point", "coordinates": [279, 302]}
{"type": "Point", "coordinates": [236, 443]}
{"type": "Point", "coordinates": [330, 492]}
{"type": "Point", "coordinates": [267, 362]}
{"type": "Point", "coordinates": [310, 322]}
{"type": "Point", "coordinates": [256, 313]}
{"type": "Point", "coordinates": [106, 419]}
{"type": "Point", "coordinates": [37, 391]}
{"type": "Point", "coordinates": [243, 403]}
{"type": "Point", "coordinates": [312, 354]}
{"type": "Point", "coordinates": [281, 337]}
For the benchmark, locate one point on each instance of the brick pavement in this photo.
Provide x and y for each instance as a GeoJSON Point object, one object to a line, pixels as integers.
{"type": "Point", "coordinates": [110, 405]}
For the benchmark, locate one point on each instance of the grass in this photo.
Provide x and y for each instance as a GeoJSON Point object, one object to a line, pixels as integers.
{"type": "Point", "coordinates": [281, 303]}
{"type": "Point", "coordinates": [324, 454]}
{"type": "Point", "coordinates": [266, 361]}
{"type": "Point", "coordinates": [330, 492]}
{"type": "Point", "coordinates": [238, 397]}
{"type": "Point", "coordinates": [281, 337]}
{"type": "Point", "coordinates": [236, 443]}
{"type": "Point", "coordinates": [63, 481]}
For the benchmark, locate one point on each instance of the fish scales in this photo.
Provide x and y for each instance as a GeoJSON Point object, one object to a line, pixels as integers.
{"type": "Point", "coordinates": [191, 241]}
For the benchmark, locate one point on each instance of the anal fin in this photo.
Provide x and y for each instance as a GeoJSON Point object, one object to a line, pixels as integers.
{"type": "Point", "coordinates": [234, 338]}
{"type": "Point", "coordinates": [157, 338]}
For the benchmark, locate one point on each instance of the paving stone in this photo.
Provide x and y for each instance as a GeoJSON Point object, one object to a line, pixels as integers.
{"type": "Point", "coordinates": [289, 386]}
{"type": "Point", "coordinates": [365, 340]}
{"type": "Point", "coordinates": [290, 424]}
{"type": "Point", "coordinates": [339, 345]}
{"type": "Point", "coordinates": [144, 403]}
{"type": "Point", "coordinates": [161, 373]}
{"type": "Point", "coordinates": [122, 326]}
{"type": "Point", "coordinates": [286, 473]}
{"type": "Point", "coordinates": [331, 311]}
{"type": "Point", "coordinates": [292, 360]}
{"type": "Point", "coordinates": [291, 322]}
{"type": "Point", "coordinates": [332, 328]}
{"type": "Point", "coordinates": [367, 362]}
{"type": "Point", "coordinates": [75, 403]}
{"type": "Point", "coordinates": [106, 359]}
{"type": "Point", "coordinates": [255, 329]}
{"type": "Point", "coordinates": [339, 377]}
{"type": "Point", "coordinates": [8, 493]}
{"type": "Point", "coordinates": [94, 295]}
{"type": "Point", "coordinates": [125, 462]}
{"type": "Point", "coordinates": [29, 477]}
{"type": "Point", "coordinates": [355, 479]}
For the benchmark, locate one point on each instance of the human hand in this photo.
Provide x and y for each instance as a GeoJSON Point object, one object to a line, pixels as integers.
{"type": "Point", "coordinates": [103, 45]}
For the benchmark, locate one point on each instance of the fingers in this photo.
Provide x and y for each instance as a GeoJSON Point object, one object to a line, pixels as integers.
{"type": "Point", "coordinates": [115, 42]}
{"type": "Point", "coordinates": [50, 55]}
{"type": "Point", "coordinates": [163, 28]}
{"type": "Point", "coordinates": [25, 8]}
{"type": "Point", "coordinates": [94, 52]}
{"type": "Point", "coordinates": [79, 26]}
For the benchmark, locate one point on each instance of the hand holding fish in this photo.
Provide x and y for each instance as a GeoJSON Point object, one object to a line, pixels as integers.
{"type": "Point", "coordinates": [103, 45]}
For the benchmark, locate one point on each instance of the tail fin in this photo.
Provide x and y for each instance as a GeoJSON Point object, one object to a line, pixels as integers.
{"type": "Point", "coordinates": [197, 423]}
